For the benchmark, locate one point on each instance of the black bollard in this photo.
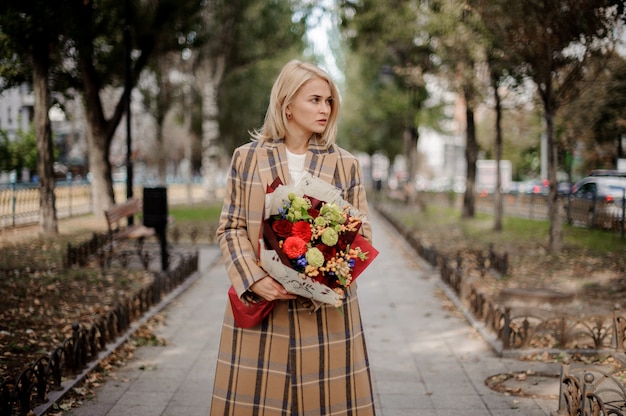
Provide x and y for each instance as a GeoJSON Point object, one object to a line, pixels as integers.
{"type": "Point", "coordinates": [155, 214]}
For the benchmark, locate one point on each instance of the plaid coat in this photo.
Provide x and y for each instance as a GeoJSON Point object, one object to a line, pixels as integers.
{"type": "Point", "coordinates": [297, 362]}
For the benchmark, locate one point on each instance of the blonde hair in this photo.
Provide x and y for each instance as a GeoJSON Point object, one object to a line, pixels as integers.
{"type": "Point", "coordinates": [291, 78]}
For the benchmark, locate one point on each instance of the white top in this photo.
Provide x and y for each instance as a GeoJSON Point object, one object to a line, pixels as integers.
{"type": "Point", "coordinates": [296, 165]}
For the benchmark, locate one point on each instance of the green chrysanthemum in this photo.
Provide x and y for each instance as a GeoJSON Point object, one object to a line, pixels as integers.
{"type": "Point", "coordinates": [332, 213]}
{"type": "Point", "coordinates": [299, 208]}
{"type": "Point", "coordinates": [330, 237]}
{"type": "Point", "coordinates": [314, 257]}
{"type": "Point", "coordinates": [320, 221]}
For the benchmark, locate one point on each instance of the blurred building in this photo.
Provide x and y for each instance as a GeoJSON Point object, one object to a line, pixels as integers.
{"type": "Point", "coordinates": [16, 115]}
{"type": "Point", "coordinates": [16, 109]}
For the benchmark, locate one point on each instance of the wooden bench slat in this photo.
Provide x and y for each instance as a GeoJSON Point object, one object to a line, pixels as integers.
{"type": "Point", "coordinates": [138, 231]}
{"type": "Point", "coordinates": [119, 229]}
{"type": "Point", "coordinates": [124, 210]}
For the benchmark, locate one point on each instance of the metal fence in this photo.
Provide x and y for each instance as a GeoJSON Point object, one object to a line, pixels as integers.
{"type": "Point", "coordinates": [591, 391]}
{"type": "Point", "coordinates": [583, 213]}
{"type": "Point", "coordinates": [37, 387]}
{"type": "Point", "coordinates": [19, 204]}
{"type": "Point", "coordinates": [519, 331]}
{"type": "Point", "coordinates": [585, 391]}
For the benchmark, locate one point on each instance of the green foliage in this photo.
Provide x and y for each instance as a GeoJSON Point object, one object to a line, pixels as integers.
{"type": "Point", "coordinates": [97, 29]}
{"type": "Point", "coordinates": [12, 70]}
{"type": "Point", "coordinates": [263, 25]}
{"type": "Point", "coordinates": [256, 29]}
{"type": "Point", "coordinates": [594, 122]}
{"type": "Point", "coordinates": [30, 31]}
{"type": "Point", "coordinates": [244, 101]}
{"type": "Point", "coordinates": [89, 47]}
{"type": "Point", "coordinates": [374, 113]}
{"type": "Point", "coordinates": [521, 130]}
{"type": "Point", "coordinates": [5, 152]}
{"type": "Point", "coordinates": [541, 35]}
{"type": "Point", "coordinates": [386, 93]}
{"type": "Point", "coordinates": [26, 149]}
{"type": "Point", "coordinates": [19, 153]}
{"type": "Point", "coordinates": [563, 50]}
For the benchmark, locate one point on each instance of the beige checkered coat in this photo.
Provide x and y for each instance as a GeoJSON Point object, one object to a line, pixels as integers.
{"type": "Point", "coordinates": [297, 362]}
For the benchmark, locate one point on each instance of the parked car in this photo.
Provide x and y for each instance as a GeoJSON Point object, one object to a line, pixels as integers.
{"type": "Point", "coordinates": [608, 172]}
{"type": "Point", "coordinates": [534, 187]}
{"type": "Point", "coordinates": [564, 188]}
{"type": "Point", "coordinates": [597, 201]}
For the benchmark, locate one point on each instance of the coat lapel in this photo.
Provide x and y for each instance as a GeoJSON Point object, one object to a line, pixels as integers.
{"type": "Point", "coordinates": [322, 161]}
{"type": "Point", "coordinates": [272, 158]}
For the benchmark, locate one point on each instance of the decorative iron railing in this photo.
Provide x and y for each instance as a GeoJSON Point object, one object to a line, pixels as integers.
{"type": "Point", "coordinates": [19, 204]}
{"type": "Point", "coordinates": [28, 391]}
{"type": "Point", "coordinates": [82, 253]}
{"type": "Point", "coordinates": [591, 391]}
{"type": "Point", "coordinates": [516, 329]}
{"type": "Point", "coordinates": [585, 392]}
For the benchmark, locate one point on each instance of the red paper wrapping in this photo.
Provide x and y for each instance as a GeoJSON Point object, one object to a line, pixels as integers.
{"type": "Point", "coordinates": [249, 316]}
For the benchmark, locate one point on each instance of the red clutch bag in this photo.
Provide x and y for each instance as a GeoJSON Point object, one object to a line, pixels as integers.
{"type": "Point", "coordinates": [249, 316]}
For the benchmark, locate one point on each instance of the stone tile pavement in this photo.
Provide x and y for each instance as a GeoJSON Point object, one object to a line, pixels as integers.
{"type": "Point", "coordinates": [426, 359]}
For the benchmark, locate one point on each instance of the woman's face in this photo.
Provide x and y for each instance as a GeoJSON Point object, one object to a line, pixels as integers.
{"type": "Point", "coordinates": [310, 110]}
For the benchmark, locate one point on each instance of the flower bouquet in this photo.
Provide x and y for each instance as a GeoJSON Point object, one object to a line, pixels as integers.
{"type": "Point", "coordinates": [310, 240]}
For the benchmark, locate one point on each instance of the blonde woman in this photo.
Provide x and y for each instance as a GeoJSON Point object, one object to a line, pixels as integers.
{"type": "Point", "coordinates": [298, 361]}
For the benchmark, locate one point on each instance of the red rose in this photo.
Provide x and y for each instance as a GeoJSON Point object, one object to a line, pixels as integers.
{"type": "Point", "coordinates": [313, 212]}
{"type": "Point", "coordinates": [318, 278]}
{"type": "Point", "coordinates": [342, 244]}
{"type": "Point", "coordinates": [294, 247]}
{"type": "Point", "coordinates": [328, 252]}
{"type": "Point", "coordinates": [302, 229]}
{"type": "Point", "coordinates": [347, 237]}
{"type": "Point", "coordinates": [282, 228]}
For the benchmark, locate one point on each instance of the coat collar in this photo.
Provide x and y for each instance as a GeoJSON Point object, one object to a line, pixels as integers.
{"type": "Point", "coordinates": [320, 161]}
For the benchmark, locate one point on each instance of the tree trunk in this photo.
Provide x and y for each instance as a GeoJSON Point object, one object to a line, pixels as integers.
{"type": "Point", "coordinates": [497, 226]}
{"type": "Point", "coordinates": [411, 138]}
{"type": "Point", "coordinates": [556, 228]}
{"type": "Point", "coordinates": [99, 136]}
{"type": "Point", "coordinates": [100, 169]}
{"type": "Point", "coordinates": [188, 150]}
{"type": "Point", "coordinates": [211, 72]}
{"type": "Point", "coordinates": [99, 164]}
{"type": "Point", "coordinates": [161, 157]}
{"type": "Point", "coordinates": [471, 154]}
{"type": "Point", "coordinates": [555, 244]}
{"type": "Point", "coordinates": [43, 132]}
{"type": "Point", "coordinates": [163, 104]}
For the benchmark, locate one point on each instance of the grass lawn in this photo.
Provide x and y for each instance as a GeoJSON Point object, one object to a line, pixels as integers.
{"type": "Point", "coordinates": [592, 264]}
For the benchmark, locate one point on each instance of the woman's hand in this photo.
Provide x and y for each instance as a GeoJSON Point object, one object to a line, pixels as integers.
{"type": "Point", "coordinates": [270, 289]}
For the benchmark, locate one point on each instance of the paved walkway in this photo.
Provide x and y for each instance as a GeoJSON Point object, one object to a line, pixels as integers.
{"type": "Point", "coordinates": [426, 359]}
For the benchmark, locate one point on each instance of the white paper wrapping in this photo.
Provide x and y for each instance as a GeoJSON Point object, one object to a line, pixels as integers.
{"type": "Point", "coordinates": [295, 282]}
{"type": "Point", "coordinates": [308, 185]}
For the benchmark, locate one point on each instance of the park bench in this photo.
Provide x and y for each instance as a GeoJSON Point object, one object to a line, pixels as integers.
{"type": "Point", "coordinates": [119, 230]}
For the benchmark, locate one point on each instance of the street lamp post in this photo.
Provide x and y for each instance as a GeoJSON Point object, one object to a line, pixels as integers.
{"type": "Point", "coordinates": [127, 88]}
